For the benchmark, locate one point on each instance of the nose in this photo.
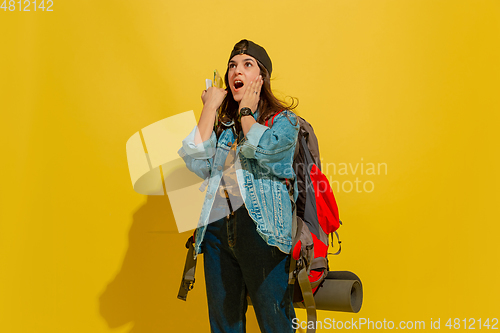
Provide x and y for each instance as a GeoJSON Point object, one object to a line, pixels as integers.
{"type": "Point", "coordinates": [239, 69]}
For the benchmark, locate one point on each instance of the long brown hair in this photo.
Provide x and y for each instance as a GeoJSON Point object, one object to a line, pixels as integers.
{"type": "Point", "coordinates": [268, 105]}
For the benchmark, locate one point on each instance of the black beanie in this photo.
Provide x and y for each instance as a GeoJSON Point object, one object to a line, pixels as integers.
{"type": "Point", "coordinates": [256, 51]}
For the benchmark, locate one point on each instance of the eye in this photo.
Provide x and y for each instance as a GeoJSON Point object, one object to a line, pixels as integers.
{"type": "Point", "coordinates": [248, 64]}
{"type": "Point", "coordinates": [232, 65]}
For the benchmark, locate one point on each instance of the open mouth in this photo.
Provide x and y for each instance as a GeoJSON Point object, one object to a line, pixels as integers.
{"type": "Point", "coordinates": [238, 84]}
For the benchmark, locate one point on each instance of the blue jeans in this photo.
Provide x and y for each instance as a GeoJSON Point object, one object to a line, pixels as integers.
{"type": "Point", "coordinates": [237, 260]}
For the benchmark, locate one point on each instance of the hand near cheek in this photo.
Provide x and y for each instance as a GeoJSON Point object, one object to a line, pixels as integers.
{"type": "Point", "coordinates": [252, 95]}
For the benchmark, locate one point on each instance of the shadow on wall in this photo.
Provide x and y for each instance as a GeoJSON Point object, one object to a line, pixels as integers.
{"type": "Point", "coordinates": [144, 292]}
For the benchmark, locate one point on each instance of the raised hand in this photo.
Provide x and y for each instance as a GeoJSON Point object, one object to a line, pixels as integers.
{"type": "Point", "coordinates": [252, 95]}
{"type": "Point", "coordinates": [212, 97]}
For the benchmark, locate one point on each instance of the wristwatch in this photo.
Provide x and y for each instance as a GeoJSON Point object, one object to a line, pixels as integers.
{"type": "Point", "coordinates": [245, 112]}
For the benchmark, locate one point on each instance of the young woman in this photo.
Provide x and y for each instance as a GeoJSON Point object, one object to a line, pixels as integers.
{"type": "Point", "coordinates": [245, 227]}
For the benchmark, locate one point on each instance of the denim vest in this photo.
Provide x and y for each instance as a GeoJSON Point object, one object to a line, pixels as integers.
{"type": "Point", "coordinates": [265, 159]}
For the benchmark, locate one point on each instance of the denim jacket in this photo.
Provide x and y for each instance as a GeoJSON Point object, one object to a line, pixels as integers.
{"type": "Point", "coordinates": [265, 160]}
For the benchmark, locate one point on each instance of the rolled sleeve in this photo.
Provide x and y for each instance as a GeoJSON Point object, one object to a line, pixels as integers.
{"type": "Point", "coordinates": [274, 147]}
{"type": "Point", "coordinates": [253, 137]}
{"type": "Point", "coordinates": [201, 167]}
{"type": "Point", "coordinates": [204, 150]}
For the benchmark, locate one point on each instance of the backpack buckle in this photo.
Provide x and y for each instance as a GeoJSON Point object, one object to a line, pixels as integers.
{"type": "Point", "coordinates": [189, 285]}
{"type": "Point", "coordinates": [298, 266]}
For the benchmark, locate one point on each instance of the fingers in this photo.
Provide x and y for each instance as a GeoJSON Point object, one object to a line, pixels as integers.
{"type": "Point", "coordinates": [247, 94]}
{"type": "Point", "coordinates": [203, 96]}
{"type": "Point", "coordinates": [255, 87]}
{"type": "Point", "coordinates": [213, 90]}
{"type": "Point", "coordinates": [252, 94]}
{"type": "Point", "coordinates": [259, 85]}
{"type": "Point", "coordinates": [213, 97]}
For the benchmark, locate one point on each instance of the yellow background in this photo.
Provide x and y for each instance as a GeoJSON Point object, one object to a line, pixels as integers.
{"type": "Point", "coordinates": [413, 84]}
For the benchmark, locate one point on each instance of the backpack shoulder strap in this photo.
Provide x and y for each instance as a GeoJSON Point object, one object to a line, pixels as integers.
{"type": "Point", "coordinates": [307, 294]}
{"type": "Point", "coordinates": [187, 281]}
{"type": "Point", "coordinates": [307, 132]}
{"type": "Point", "coordinates": [272, 119]}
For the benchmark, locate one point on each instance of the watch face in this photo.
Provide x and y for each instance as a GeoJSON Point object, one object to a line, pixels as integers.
{"type": "Point", "coordinates": [246, 112]}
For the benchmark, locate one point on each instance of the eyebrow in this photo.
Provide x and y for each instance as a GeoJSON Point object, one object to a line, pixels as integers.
{"type": "Point", "coordinates": [247, 59]}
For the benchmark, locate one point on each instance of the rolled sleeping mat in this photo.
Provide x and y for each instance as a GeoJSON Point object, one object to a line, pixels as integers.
{"type": "Point", "coordinates": [340, 291]}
